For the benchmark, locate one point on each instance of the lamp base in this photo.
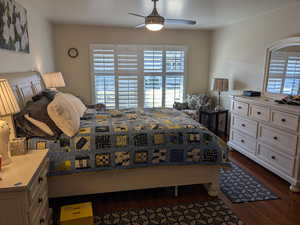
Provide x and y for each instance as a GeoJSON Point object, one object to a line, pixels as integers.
{"type": "Point", "coordinates": [4, 143]}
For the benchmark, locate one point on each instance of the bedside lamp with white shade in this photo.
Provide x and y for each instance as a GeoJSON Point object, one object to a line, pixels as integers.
{"type": "Point", "coordinates": [53, 80]}
{"type": "Point", "coordinates": [220, 85]}
{"type": "Point", "coordinates": [8, 107]}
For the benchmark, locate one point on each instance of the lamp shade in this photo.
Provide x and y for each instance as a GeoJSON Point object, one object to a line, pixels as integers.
{"type": "Point", "coordinates": [220, 84]}
{"type": "Point", "coordinates": [8, 101]}
{"type": "Point", "coordinates": [53, 80]}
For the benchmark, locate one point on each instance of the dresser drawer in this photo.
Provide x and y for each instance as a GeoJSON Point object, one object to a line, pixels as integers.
{"type": "Point", "coordinates": [247, 126]}
{"type": "Point", "coordinates": [246, 142]}
{"type": "Point", "coordinates": [283, 163]}
{"type": "Point", "coordinates": [38, 202]}
{"type": "Point", "coordinates": [43, 216]}
{"type": "Point", "coordinates": [38, 181]}
{"type": "Point", "coordinates": [260, 112]}
{"type": "Point", "coordinates": [286, 142]}
{"type": "Point", "coordinates": [240, 108]}
{"type": "Point", "coordinates": [286, 120]}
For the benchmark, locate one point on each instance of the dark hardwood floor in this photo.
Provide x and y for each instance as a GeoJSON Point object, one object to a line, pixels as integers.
{"type": "Point", "coordinates": [285, 211]}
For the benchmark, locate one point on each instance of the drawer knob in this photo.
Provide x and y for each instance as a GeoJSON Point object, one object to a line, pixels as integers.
{"type": "Point", "coordinates": [258, 113]}
{"type": "Point", "coordinates": [283, 120]}
{"type": "Point", "coordinates": [273, 157]}
{"type": "Point", "coordinates": [42, 221]}
{"type": "Point", "coordinates": [40, 179]}
{"type": "Point", "coordinates": [243, 125]}
{"type": "Point", "coordinates": [275, 138]}
{"type": "Point", "coordinates": [240, 107]}
{"type": "Point", "coordinates": [242, 141]}
{"type": "Point", "coordinates": [40, 200]}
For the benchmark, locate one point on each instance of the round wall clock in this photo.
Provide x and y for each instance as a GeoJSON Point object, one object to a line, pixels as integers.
{"type": "Point", "coordinates": [73, 52]}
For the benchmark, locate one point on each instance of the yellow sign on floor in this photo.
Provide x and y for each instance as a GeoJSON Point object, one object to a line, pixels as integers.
{"type": "Point", "coordinates": [77, 214]}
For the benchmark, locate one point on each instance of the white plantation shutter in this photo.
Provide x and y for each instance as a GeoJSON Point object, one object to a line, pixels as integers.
{"type": "Point", "coordinates": [137, 76]}
{"type": "Point", "coordinates": [175, 61]}
{"type": "Point", "coordinates": [291, 84]}
{"type": "Point", "coordinates": [174, 90]}
{"type": "Point", "coordinates": [284, 73]}
{"type": "Point", "coordinates": [105, 90]}
{"type": "Point", "coordinates": [153, 61]}
{"type": "Point", "coordinates": [175, 71]}
{"type": "Point", "coordinates": [128, 92]}
{"type": "Point", "coordinates": [128, 74]}
{"type": "Point", "coordinates": [153, 72]}
{"type": "Point", "coordinates": [103, 61]}
{"type": "Point", "coordinates": [103, 68]}
{"type": "Point", "coordinates": [152, 91]}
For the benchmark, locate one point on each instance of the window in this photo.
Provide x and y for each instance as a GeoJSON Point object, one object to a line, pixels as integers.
{"type": "Point", "coordinates": [284, 73]}
{"type": "Point", "coordinates": [138, 76]}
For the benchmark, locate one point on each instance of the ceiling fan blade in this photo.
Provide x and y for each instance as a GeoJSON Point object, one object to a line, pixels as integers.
{"type": "Point", "coordinates": [138, 15]}
{"type": "Point", "coordinates": [140, 25]}
{"type": "Point", "coordinates": [180, 21]}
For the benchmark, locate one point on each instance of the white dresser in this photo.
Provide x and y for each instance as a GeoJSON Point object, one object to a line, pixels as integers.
{"type": "Point", "coordinates": [268, 133]}
{"type": "Point", "coordinates": [24, 190]}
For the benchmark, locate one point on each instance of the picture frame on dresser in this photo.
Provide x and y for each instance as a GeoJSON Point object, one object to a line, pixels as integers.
{"type": "Point", "coordinates": [268, 132]}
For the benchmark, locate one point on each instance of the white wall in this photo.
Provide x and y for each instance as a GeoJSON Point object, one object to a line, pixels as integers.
{"type": "Point", "coordinates": [40, 37]}
{"type": "Point", "coordinates": [239, 50]}
{"type": "Point", "coordinates": [77, 71]}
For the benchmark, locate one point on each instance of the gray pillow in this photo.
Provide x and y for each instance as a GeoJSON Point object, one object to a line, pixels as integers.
{"type": "Point", "coordinates": [38, 111]}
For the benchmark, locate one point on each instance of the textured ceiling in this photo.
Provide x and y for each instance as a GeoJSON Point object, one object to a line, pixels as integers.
{"type": "Point", "coordinates": [207, 13]}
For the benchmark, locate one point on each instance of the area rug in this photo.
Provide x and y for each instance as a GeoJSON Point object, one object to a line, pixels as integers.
{"type": "Point", "coordinates": [240, 186]}
{"type": "Point", "coordinates": [213, 212]}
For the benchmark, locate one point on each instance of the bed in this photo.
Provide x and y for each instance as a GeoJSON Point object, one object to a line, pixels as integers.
{"type": "Point", "coordinates": [146, 149]}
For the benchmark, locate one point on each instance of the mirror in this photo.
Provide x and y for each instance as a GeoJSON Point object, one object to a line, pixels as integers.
{"type": "Point", "coordinates": [283, 68]}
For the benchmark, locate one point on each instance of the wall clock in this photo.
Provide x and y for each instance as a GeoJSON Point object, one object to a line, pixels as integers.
{"type": "Point", "coordinates": [73, 52]}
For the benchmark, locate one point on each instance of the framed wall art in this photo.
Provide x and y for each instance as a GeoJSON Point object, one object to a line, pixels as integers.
{"type": "Point", "coordinates": [13, 26]}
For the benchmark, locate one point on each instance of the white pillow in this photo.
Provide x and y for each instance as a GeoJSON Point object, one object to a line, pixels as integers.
{"type": "Point", "coordinates": [39, 124]}
{"type": "Point", "coordinates": [77, 103]}
{"type": "Point", "coordinates": [64, 114]}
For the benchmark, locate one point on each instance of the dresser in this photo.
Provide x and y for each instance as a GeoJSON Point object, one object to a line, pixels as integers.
{"type": "Point", "coordinates": [24, 190]}
{"type": "Point", "coordinates": [268, 133]}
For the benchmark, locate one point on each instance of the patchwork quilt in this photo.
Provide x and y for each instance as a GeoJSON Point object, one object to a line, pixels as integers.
{"type": "Point", "coordinates": [131, 139]}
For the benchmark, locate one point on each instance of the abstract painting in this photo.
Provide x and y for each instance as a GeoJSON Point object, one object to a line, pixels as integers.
{"type": "Point", "coordinates": [13, 26]}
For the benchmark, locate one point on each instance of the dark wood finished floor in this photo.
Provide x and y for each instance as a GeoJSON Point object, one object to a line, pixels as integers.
{"type": "Point", "coordinates": [285, 211]}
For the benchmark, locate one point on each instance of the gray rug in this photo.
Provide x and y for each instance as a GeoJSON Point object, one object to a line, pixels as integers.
{"type": "Point", "coordinates": [213, 212]}
{"type": "Point", "coordinates": [239, 186]}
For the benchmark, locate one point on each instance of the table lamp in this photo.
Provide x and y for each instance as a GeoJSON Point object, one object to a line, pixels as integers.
{"type": "Point", "coordinates": [53, 80]}
{"type": "Point", "coordinates": [8, 107]}
{"type": "Point", "coordinates": [220, 84]}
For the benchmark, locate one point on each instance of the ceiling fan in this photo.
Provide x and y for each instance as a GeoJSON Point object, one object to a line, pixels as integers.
{"type": "Point", "coordinates": [156, 22]}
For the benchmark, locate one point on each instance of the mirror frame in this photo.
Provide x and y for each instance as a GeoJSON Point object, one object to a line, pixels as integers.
{"type": "Point", "coordinates": [293, 41]}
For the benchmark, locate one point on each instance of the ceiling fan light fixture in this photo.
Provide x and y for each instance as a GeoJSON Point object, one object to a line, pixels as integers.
{"type": "Point", "coordinates": [154, 22]}
{"type": "Point", "coordinates": [154, 26]}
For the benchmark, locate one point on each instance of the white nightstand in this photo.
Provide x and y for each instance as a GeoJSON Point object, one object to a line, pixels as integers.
{"type": "Point", "coordinates": [24, 190]}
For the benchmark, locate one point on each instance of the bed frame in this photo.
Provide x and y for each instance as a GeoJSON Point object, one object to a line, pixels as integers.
{"type": "Point", "coordinates": [27, 84]}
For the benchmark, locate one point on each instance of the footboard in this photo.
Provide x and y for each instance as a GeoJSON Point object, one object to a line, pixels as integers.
{"type": "Point", "coordinates": [134, 179]}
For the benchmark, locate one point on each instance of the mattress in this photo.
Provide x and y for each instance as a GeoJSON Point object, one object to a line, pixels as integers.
{"type": "Point", "coordinates": [131, 139]}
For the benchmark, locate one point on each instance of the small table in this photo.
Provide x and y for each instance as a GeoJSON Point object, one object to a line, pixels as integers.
{"type": "Point", "coordinates": [215, 121]}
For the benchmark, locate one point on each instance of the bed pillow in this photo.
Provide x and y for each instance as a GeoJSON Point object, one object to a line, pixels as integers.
{"type": "Point", "coordinates": [49, 94]}
{"type": "Point", "coordinates": [64, 114]}
{"type": "Point", "coordinates": [41, 125]}
{"type": "Point", "coordinates": [80, 107]}
{"type": "Point", "coordinates": [25, 128]}
{"type": "Point", "coordinates": [38, 111]}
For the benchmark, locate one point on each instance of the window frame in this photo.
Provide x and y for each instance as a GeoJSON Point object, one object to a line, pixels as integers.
{"type": "Point", "coordinates": [140, 73]}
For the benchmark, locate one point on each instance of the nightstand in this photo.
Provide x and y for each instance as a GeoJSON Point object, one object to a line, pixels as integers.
{"type": "Point", "coordinates": [24, 190]}
{"type": "Point", "coordinates": [215, 121]}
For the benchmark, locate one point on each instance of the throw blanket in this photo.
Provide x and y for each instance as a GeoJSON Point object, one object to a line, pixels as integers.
{"type": "Point", "coordinates": [131, 139]}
